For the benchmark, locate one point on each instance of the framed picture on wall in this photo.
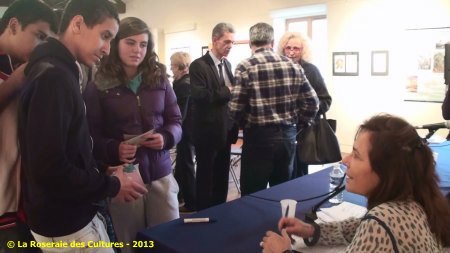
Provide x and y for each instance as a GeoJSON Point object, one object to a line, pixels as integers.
{"type": "Point", "coordinates": [380, 63]}
{"type": "Point", "coordinates": [204, 50]}
{"type": "Point", "coordinates": [345, 63]}
{"type": "Point", "coordinates": [422, 55]}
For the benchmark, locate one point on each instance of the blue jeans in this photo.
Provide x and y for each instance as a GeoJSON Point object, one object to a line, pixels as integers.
{"type": "Point", "coordinates": [267, 156]}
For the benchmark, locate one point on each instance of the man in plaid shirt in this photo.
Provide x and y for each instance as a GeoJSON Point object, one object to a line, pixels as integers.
{"type": "Point", "coordinates": [270, 100]}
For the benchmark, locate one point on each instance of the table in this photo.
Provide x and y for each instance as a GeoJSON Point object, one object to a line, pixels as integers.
{"type": "Point", "coordinates": [240, 223]}
{"type": "Point", "coordinates": [443, 163]}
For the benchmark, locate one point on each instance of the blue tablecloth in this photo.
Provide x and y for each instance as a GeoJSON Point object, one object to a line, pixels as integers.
{"type": "Point", "coordinates": [240, 223]}
{"type": "Point", "coordinates": [443, 162]}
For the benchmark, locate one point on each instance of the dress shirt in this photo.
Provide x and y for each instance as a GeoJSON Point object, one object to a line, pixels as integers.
{"type": "Point", "coordinates": [218, 61]}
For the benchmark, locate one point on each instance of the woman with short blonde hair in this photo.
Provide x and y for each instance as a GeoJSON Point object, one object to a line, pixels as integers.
{"type": "Point", "coordinates": [297, 47]}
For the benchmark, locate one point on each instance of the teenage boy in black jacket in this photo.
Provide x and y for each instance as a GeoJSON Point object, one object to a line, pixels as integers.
{"type": "Point", "coordinates": [62, 184]}
{"type": "Point", "coordinates": [24, 25]}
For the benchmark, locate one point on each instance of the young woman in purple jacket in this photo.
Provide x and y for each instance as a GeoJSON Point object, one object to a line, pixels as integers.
{"type": "Point", "coordinates": [131, 95]}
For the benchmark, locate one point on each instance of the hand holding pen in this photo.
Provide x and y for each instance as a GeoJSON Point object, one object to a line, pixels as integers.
{"type": "Point", "coordinates": [295, 226]}
{"type": "Point", "coordinates": [272, 242]}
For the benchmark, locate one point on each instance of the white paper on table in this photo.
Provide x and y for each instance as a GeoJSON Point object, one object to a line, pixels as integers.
{"type": "Point", "coordinates": [339, 212]}
{"type": "Point", "coordinates": [343, 211]}
{"type": "Point", "coordinates": [436, 139]}
{"type": "Point", "coordinates": [301, 246]}
{"type": "Point", "coordinates": [323, 217]}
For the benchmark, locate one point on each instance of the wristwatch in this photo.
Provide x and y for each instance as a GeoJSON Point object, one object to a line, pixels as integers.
{"type": "Point", "coordinates": [311, 241]}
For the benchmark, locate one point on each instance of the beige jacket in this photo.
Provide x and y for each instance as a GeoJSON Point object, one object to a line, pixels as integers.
{"type": "Point", "coordinates": [9, 148]}
{"type": "Point", "coordinates": [9, 159]}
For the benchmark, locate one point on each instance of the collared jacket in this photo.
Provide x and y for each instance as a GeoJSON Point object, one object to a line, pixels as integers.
{"type": "Point", "coordinates": [62, 184]}
{"type": "Point", "coordinates": [212, 125]}
{"type": "Point", "coordinates": [114, 110]}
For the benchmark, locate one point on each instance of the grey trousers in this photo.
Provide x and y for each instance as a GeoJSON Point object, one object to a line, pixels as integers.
{"type": "Point", "coordinates": [158, 205]}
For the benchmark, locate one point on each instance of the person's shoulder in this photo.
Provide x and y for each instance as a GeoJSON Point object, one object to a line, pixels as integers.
{"type": "Point", "coordinates": [308, 66]}
{"type": "Point", "coordinates": [398, 212]}
{"type": "Point", "coordinates": [184, 80]}
{"type": "Point", "coordinates": [201, 60]}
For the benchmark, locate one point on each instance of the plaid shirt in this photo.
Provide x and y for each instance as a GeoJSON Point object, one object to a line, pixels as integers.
{"type": "Point", "coordinates": [272, 90]}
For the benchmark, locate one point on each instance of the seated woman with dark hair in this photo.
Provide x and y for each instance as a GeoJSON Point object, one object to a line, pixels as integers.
{"type": "Point", "coordinates": [392, 167]}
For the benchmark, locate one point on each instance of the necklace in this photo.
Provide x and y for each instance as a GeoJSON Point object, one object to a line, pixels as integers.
{"type": "Point", "coordinates": [10, 63]}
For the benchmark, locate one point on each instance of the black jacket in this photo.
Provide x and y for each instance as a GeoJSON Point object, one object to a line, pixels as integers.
{"type": "Point", "coordinates": [446, 106]}
{"type": "Point", "coordinates": [446, 109]}
{"type": "Point", "coordinates": [212, 124]}
{"type": "Point", "coordinates": [61, 182]}
{"type": "Point", "coordinates": [318, 84]}
{"type": "Point", "coordinates": [182, 89]}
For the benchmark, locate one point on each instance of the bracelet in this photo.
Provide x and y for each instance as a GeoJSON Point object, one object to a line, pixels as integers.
{"type": "Point", "coordinates": [311, 241]}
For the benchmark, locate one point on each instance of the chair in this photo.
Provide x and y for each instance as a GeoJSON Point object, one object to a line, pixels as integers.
{"type": "Point", "coordinates": [235, 160]}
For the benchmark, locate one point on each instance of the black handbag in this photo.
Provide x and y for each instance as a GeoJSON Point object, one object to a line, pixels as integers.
{"type": "Point", "coordinates": [317, 143]}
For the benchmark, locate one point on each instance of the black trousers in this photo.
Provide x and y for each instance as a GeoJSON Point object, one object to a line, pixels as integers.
{"type": "Point", "coordinates": [19, 232]}
{"type": "Point", "coordinates": [185, 171]}
{"type": "Point", "coordinates": [267, 157]}
{"type": "Point", "coordinates": [213, 165]}
{"type": "Point", "coordinates": [300, 168]}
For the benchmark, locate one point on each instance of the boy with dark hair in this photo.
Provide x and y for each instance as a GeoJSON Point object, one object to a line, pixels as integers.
{"type": "Point", "coordinates": [62, 185]}
{"type": "Point", "coordinates": [24, 25]}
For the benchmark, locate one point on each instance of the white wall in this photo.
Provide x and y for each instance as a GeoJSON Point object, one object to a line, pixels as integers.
{"type": "Point", "coordinates": [354, 25]}
{"type": "Point", "coordinates": [366, 25]}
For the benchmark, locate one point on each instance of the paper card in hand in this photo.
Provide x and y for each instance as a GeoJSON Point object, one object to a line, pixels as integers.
{"type": "Point", "coordinates": [137, 139]}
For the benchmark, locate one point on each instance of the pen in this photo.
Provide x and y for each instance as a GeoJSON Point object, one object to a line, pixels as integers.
{"type": "Point", "coordinates": [198, 220]}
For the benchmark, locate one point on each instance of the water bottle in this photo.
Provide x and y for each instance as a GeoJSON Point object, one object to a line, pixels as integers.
{"type": "Point", "coordinates": [336, 176]}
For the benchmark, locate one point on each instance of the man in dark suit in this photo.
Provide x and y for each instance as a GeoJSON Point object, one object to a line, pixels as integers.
{"type": "Point", "coordinates": [211, 80]}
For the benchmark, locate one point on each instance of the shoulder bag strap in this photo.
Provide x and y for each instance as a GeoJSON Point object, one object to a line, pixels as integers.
{"type": "Point", "coordinates": [388, 230]}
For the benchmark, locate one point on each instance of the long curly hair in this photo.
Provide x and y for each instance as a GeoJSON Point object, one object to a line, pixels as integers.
{"type": "Point", "coordinates": [406, 168]}
{"type": "Point", "coordinates": [153, 72]}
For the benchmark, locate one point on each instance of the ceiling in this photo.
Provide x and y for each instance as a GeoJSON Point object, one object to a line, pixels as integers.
{"type": "Point", "coordinates": [60, 4]}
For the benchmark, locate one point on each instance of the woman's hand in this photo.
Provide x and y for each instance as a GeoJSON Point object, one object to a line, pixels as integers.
{"type": "Point", "coordinates": [153, 141]}
{"type": "Point", "coordinates": [127, 152]}
{"type": "Point", "coordinates": [296, 227]}
{"type": "Point", "coordinates": [274, 243]}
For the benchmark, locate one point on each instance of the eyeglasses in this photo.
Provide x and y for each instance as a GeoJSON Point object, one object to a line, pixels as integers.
{"type": "Point", "coordinates": [295, 49]}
